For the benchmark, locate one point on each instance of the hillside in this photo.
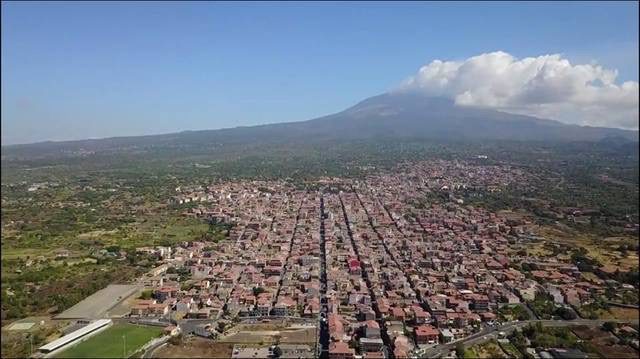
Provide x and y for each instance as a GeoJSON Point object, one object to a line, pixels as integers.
{"type": "Point", "coordinates": [389, 116]}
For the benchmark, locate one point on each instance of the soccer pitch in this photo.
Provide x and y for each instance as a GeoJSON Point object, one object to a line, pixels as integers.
{"type": "Point", "coordinates": [111, 344]}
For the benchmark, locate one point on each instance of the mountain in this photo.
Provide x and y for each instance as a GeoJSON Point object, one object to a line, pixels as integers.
{"type": "Point", "coordinates": [413, 115]}
{"type": "Point", "coordinates": [390, 116]}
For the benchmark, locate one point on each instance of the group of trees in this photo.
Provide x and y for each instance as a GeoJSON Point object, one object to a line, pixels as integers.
{"type": "Point", "coordinates": [546, 337]}
{"type": "Point", "coordinates": [511, 312]}
{"type": "Point", "coordinates": [543, 305]}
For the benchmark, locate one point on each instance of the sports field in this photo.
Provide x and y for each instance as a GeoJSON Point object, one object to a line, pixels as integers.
{"type": "Point", "coordinates": [111, 344]}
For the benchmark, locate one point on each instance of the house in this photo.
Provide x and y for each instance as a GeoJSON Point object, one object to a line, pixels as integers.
{"type": "Point", "coordinates": [372, 329]}
{"type": "Point", "coordinates": [139, 310]}
{"type": "Point", "coordinates": [159, 309]}
{"type": "Point", "coordinates": [354, 266]}
{"type": "Point", "coordinates": [285, 306]}
{"type": "Point", "coordinates": [143, 307]}
{"type": "Point", "coordinates": [165, 292]}
{"type": "Point", "coordinates": [159, 270]}
{"type": "Point", "coordinates": [340, 350]}
{"type": "Point", "coordinates": [367, 313]}
{"type": "Point", "coordinates": [203, 313]}
{"type": "Point", "coordinates": [184, 305]}
{"type": "Point", "coordinates": [171, 330]}
{"type": "Point", "coordinates": [480, 302]}
{"type": "Point", "coordinates": [336, 328]}
{"type": "Point", "coordinates": [420, 316]}
{"type": "Point", "coordinates": [263, 308]}
{"type": "Point", "coordinates": [203, 330]}
{"type": "Point", "coordinates": [446, 335]}
{"type": "Point", "coordinates": [567, 353]}
{"type": "Point", "coordinates": [426, 334]}
{"type": "Point", "coordinates": [397, 314]}
{"type": "Point", "coordinates": [371, 344]}
{"type": "Point", "coordinates": [401, 347]}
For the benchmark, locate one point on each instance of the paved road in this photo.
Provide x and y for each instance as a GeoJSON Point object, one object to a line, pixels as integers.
{"type": "Point", "coordinates": [323, 333]}
{"type": "Point", "coordinates": [148, 353]}
{"type": "Point", "coordinates": [492, 333]}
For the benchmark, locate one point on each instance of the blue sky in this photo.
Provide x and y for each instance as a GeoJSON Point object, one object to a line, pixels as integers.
{"type": "Point", "coordinates": [87, 70]}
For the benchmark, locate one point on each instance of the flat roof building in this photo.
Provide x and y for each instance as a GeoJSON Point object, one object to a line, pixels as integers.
{"type": "Point", "coordinates": [62, 342]}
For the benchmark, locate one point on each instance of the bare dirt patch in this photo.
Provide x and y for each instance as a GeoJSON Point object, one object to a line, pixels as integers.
{"type": "Point", "coordinates": [196, 348]}
{"type": "Point", "coordinates": [604, 343]}
{"type": "Point", "coordinates": [268, 333]}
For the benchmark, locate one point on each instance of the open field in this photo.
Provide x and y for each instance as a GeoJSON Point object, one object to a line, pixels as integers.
{"type": "Point", "coordinates": [41, 329]}
{"type": "Point", "coordinates": [261, 334]}
{"type": "Point", "coordinates": [14, 253]}
{"type": "Point", "coordinates": [511, 350]}
{"type": "Point", "coordinates": [490, 349]}
{"type": "Point", "coordinates": [601, 249]}
{"type": "Point", "coordinates": [604, 343]}
{"type": "Point", "coordinates": [111, 344]}
{"type": "Point", "coordinates": [195, 347]}
{"type": "Point", "coordinates": [619, 313]}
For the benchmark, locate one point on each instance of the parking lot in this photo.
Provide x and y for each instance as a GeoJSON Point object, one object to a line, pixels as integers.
{"type": "Point", "coordinates": [96, 305]}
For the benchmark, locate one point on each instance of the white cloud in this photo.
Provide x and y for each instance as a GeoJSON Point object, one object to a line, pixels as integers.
{"type": "Point", "coordinates": [547, 86]}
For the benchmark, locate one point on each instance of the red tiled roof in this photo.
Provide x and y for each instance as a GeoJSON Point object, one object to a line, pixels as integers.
{"type": "Point", "coordinates": [426, 330]}
{"type": "Point", "coordinates": [340, 348]}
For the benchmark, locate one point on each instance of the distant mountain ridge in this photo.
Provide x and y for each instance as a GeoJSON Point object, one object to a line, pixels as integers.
{"type": "Point", "coordinates": [390, 115]}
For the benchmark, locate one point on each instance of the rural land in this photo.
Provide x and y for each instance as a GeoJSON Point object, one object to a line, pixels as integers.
{"type": "Point", "coordinates": [335, 248]}
{"type": "Point", "coordinates": [320, 179]}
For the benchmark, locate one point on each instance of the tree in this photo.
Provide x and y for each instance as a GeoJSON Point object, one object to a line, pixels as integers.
{"type": "Point", "coordinates": [460, 350]}
{"type": "Point", "coordinates": [146, 294]}
{"type": "Point", "coordinates": [176, 340]}
{"type": "Point", "coordinates": [113, 249]}
{"type": "Point", "coordinates": [609, 326]}
{"type": "Point", "coordinates": [565, 313]}
{"type": "Point", "coordinates": [221, 326]}
{"type": "Point", "coordinates": [523, 315]}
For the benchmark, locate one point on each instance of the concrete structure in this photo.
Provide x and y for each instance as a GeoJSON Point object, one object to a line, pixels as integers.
{"type": "Point", "coordinates": [74, 337]}
{"type": "Point", "coordinates": [99, 303]}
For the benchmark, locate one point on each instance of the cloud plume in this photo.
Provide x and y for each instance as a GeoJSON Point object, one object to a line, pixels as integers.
{"type": "Point", "coordinates": [547, 86]}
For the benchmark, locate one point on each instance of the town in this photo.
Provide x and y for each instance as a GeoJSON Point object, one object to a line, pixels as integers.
{"type": "Point", "coordinates": [366, 267]}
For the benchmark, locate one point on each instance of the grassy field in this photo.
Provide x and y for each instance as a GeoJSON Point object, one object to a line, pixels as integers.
{"type": "Point", "coordinates": [510, 350]}
{"type": "Point", "coordinates": [598, 248]}
{"type": "Point", "coordinates": [110, 343]}
{"type": "Point", "coordinates": [619, 313]}
{"type": "Point", "coordinates": [490, 349]}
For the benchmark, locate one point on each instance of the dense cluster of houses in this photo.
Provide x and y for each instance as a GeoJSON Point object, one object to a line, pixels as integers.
{"type": "Point", "coordinates": [402, 275]}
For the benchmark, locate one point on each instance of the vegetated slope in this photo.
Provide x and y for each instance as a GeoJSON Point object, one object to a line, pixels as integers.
{"type": "Point", "coordinates": [391, 115]}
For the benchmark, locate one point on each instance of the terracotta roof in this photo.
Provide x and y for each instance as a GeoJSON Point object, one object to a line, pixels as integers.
{"type": "Point", "coordinates": [426, 330]}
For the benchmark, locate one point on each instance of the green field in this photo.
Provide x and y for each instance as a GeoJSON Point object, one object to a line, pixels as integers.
{"type": "Point", "coordinates": [110, 343]}
{"type": "Point", "coordinates": [511, 350]}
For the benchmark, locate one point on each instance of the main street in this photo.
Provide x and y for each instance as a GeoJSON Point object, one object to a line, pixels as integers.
{"type": "Point", "coordinates": [323, 337]}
